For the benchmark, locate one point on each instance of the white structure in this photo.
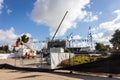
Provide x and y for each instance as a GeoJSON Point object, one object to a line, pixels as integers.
{"type": "Point", "coordinates": [57, 58]}
{"type": "Point", "coordinates": [57, 55]}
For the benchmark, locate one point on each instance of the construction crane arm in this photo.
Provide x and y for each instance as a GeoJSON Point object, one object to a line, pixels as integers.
{"type": "Point", "coordinates": [59, 26]}
{"type": "Point", "coordinates": [27, 46]}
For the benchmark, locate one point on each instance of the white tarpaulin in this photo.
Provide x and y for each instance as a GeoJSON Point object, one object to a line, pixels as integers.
{"type": "Point", "coordinates": [57, 58]}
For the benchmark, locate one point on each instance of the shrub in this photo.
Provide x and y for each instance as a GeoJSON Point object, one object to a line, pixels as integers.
{"type": "Point", "coordinates": [100, 57]}
{"type": "Point", "coordinates": [67, 50]}
{"type": "Point", "coordinates": [81, 59]}
{"type": "Point", "coordinates": [75, 61]}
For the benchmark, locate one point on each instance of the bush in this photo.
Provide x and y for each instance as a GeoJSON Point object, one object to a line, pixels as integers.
{"type": "Point", "coordinates": [81, 60]}
{"type": "Point", "coordinates": [67, 50]}
{"type": "Point", "coordinates": [75, 61]}
{"type": "Point", "coordinates": [100, 57]}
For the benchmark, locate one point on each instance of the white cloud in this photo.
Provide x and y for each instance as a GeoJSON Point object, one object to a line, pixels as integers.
{"type": "Point", "coordinates": [8, 36]}
{"type": "Point", "coordinates": [90, 17]}
{"type": "Point", "coordinates": [100, 13]}
{"type": "Point", "coordinates": [103, 32]}
{"type": "Point", "coordinates": [1, 6]}
{"type": "Point", "coordinates": [76, 37]}
{"type": "Point", "coordinates": [50, 12]}
{"type": "Point", "coordinates": [9, 11]}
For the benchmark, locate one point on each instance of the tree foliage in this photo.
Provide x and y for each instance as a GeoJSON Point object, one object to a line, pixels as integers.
{"type": "Point", "coordinates": [67, 50]}
{"type": "Point", "coordinates": [116, 40]}
{"type": "Point", "coordinates": [101, 47]}
{"type": "Point", "coordinates": [4, 48]}
{"type": "Point", "coordinates": [23, 38]}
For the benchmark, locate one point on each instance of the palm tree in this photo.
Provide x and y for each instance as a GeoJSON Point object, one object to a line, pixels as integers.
{"type": "Point", "coordinates": [24, 38]}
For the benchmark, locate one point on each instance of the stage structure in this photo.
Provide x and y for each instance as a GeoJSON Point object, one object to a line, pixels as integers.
{"type": "Point", "coordinates": [87, 46]}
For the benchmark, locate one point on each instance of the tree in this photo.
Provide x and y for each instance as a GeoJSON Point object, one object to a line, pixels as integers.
{"type": "Point", "coordinates": [67, 50]}
{"type": "Point", "coordinates": [116, 40]}
{"type": "Point", "coordinates": [6, 48]}
{"type": "Point", "coordinates": [25, 38]}
{"type": "Point", "coordinates": [102, 47]}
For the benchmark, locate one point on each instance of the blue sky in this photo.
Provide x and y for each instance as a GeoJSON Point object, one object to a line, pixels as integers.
{"type": "Point", "coordinates": [40, 18]}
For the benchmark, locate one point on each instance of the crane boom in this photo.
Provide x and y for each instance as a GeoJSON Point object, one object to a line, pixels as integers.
{"type": "Point", "coordinates": [59, 26]}
{"type": "Point", "coordinates": [27, 46]}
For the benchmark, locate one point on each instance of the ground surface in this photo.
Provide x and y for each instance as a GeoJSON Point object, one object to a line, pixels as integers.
{"type": "Point", "coordinates": [23, 75]}
{"type": "Point", "coordinates": [7, 74]}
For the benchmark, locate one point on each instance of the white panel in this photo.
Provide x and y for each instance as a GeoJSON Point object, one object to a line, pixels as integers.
{"type": "Point", "coordinates": [57, 58]}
